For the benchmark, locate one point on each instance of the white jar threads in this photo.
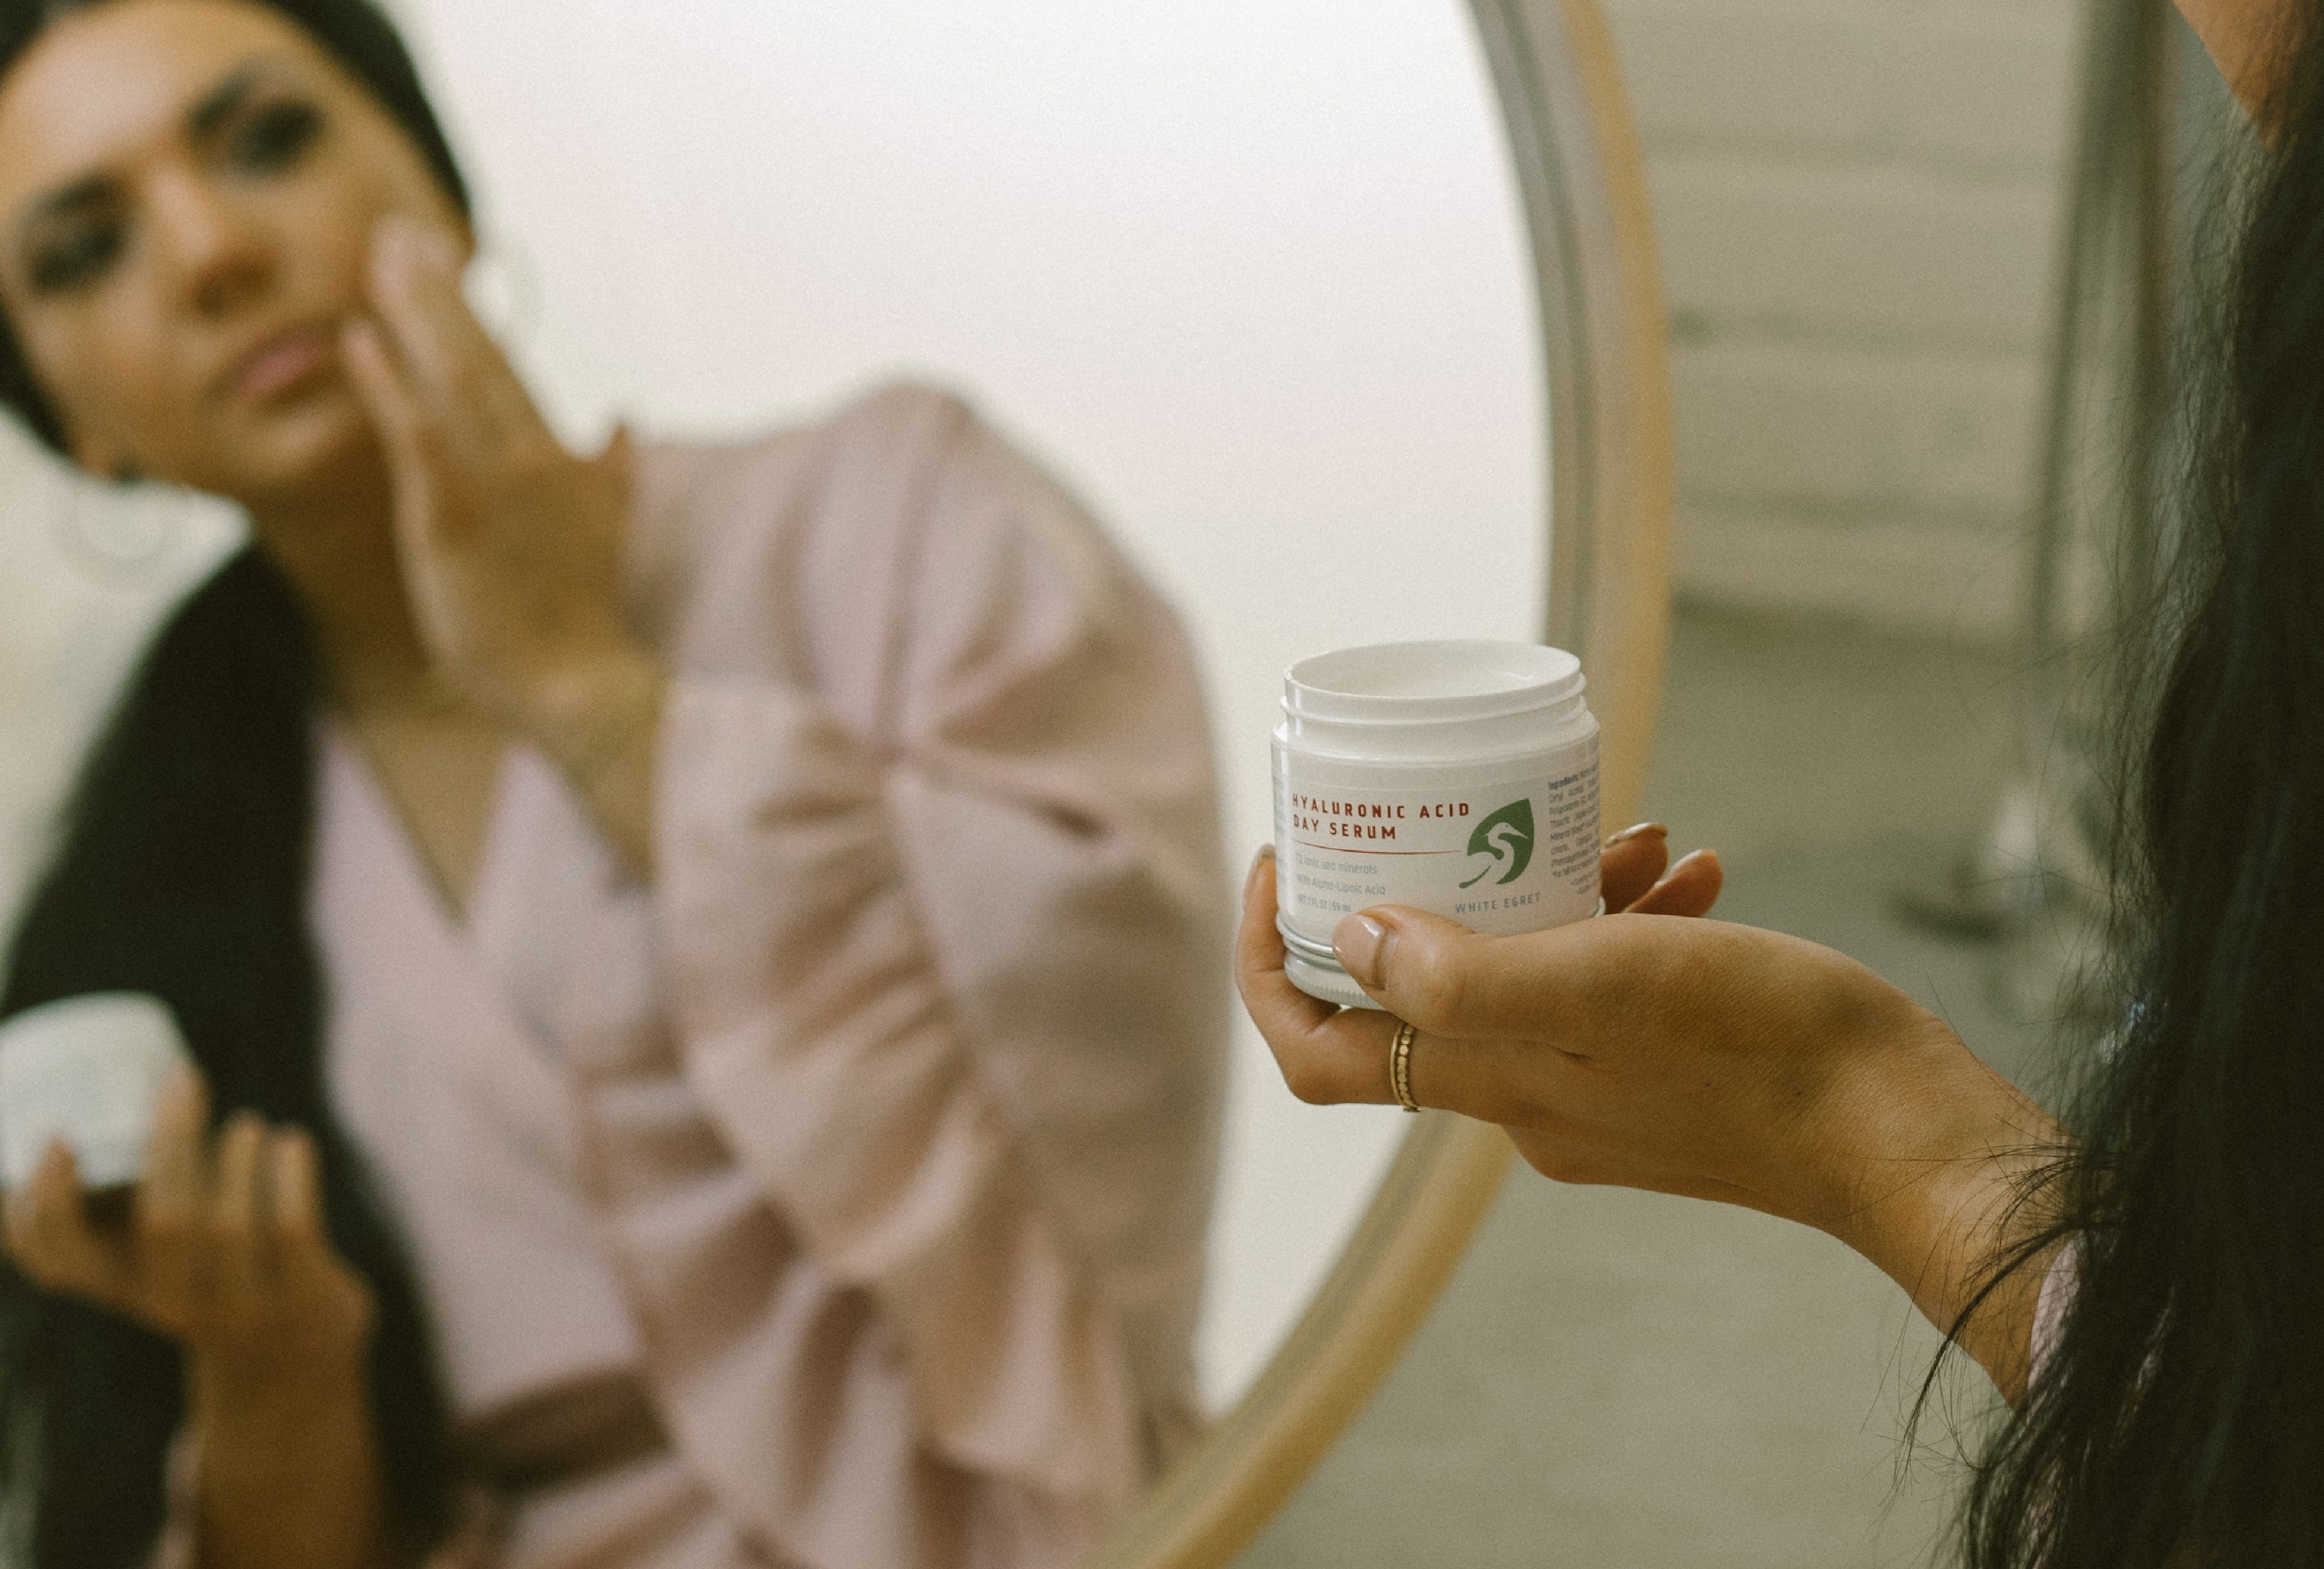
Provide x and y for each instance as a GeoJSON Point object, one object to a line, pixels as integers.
{"type": "Point", "coordinates": [1460, 778]}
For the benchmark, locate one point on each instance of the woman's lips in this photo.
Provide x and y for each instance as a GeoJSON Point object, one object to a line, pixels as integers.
{"type": "Point", "coordinates": [283, 362]}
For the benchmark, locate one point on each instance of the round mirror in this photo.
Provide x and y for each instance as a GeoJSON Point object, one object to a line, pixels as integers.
{"type": "Point", "coordinates": [1252, 279]}
{"type": "Point", "coordinates": [1342, 319]}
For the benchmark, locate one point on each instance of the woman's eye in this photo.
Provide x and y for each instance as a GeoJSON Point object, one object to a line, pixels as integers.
{"type": "Point", "coordinates": [272, 138]}
{"type": "Point", "coordinates": [75, 258]}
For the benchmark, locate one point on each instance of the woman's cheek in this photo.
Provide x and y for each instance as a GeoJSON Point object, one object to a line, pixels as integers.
{"type": "Point", "coordinates": [87, 367]}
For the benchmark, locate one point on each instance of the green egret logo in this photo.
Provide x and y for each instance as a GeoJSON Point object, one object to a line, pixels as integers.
{"type": "Point", "coordinates": [1508, 837]}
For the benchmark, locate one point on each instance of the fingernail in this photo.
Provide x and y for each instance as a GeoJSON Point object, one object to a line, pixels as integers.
{"type": "Point", "coordinates": [1638, 831]}
{"type": "Point", "coordinates": [391, 256]}
{"type": "Point", "coordinates": [1262, 862]}
{"type": "Point", "coordinates": [185, 1096]}
{"type": "Point", "coordinates": [1360, 942]}
{"type": "Point", "coordinates": [442, 250]}
{"type": "Point", "coordinates": [415, 244]}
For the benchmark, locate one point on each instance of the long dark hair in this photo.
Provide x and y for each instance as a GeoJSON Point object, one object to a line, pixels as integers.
{"type": "Point", "coordinates": [183, 872]}
{"type": "Point", "coordinates": [2180, 1417]}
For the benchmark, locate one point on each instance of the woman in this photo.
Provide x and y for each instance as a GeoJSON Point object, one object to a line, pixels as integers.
{"type": "Point", "coordinates": [2146, 1290]}
{"type": "Point", "coordinates": [699, 958]}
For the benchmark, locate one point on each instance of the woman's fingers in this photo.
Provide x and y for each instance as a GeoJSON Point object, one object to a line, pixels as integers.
{"type": "Point", "coordinates": [297, 1180]}
{"type": "Point", "coordinates": [1273, 1001]}
{"type": "Point", "coordinates": [458, 372]}
{"type": "Point", "coordinates": [174, 1172]}
{"type": "Point", "coordinates": [43, 1218]}
{"type": "Point", "coordinates": [1327, 1055]}
{"type": "Point", "coordinates": [229, 1247]}
{"type": "Point", "coordinates": [404, 433]}
{"type": "Point", "coordinates": [1445, 978]}
{"type": "Point", "coordinates": [333, 1296]}
{"type": "Point", "coordinates": [1452, 981]}
{"type": "Point", "coordinates": [1463, 991]}
{"type": "Point", "coordinates": [1690, 888]}
{"type": "Point", "coordinates": [49, 1233]}
{"type": "Point", "coordinates": [172, 1194]}
{"type": "Point", "coordinates": [237, 1230]}
{"type": "Point", "coordinates": [1630, 861]}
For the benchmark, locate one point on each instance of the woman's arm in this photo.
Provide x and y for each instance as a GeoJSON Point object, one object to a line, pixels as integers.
{"type": "Point", "coordinates": [1695, 1057]}
{"type": "Point", "coordinates": [224, 1252]}
{"type": "Point", "coordinates": [287, 1466]}
{"type": "Point", "coordinates": [942, 927]}
{"type": "Point", "coordinates": [511, 547]}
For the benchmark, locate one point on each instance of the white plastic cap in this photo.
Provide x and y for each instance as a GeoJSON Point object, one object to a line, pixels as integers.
{"type": "Point", "coordinates": [89, 1071]}
{"type": "Point", "coordinates": [1439, 682]}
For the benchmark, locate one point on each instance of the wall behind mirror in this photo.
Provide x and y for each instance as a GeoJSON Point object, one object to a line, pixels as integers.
{"type": "Point", "coordinates": [1859, 211]}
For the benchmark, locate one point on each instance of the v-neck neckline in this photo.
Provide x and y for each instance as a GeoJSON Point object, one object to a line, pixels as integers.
{"type": "Point", "coordinates": [540, 873]}
{"type": "Point", "coordinates": [460, 919]}
{"type": "Point", "coordinates": [449, 1076]}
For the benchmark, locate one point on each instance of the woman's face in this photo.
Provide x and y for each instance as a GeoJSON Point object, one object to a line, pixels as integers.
{"type": "Point", "coordinates": [188, 192]}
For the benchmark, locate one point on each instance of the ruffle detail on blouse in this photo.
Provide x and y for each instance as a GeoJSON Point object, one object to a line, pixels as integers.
{"type": "Point", "coordinates": [819, 1038]}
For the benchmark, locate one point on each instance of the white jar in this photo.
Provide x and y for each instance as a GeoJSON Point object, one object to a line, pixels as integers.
{"type": "Point", "coordinates": [89, 1071]}
{"type": "Point", "coordinates": [1458, 777]}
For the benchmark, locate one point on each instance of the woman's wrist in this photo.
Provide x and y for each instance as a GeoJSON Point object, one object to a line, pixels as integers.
{"type": "Point", "coordinates": [258, 1395]}
{"type": "Point", "coordinates": [1941, 1152]}
{"type": "Point", "coordinates": [286, 1467]}
{"type": "Point", "coordinates": [595, 710]}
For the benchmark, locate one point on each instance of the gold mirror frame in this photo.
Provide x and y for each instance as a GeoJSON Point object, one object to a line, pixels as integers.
{"type": "Point", "coordinates": [1612, 483]}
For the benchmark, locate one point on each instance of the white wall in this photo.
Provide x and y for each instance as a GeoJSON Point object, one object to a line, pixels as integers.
{"type": "Point", "coordinates": [85, 570]}
{"type": "Point", "coordinates": [1859, 203]}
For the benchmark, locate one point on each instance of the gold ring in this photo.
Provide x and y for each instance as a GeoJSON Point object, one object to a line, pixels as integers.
{"type": "Point", "coordinates": [1399, 1066]}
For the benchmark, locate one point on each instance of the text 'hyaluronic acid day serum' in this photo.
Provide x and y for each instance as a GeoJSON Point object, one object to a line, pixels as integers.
{"type": "Point", "coordinates": [1458, 778]}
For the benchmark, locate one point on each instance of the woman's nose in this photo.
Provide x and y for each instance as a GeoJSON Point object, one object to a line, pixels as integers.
{"type": "Point", "coordinates": [217, 258]}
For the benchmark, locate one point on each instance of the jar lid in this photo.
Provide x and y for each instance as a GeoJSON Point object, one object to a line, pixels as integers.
{"type": "Point", "coordinates": [1430, 683]}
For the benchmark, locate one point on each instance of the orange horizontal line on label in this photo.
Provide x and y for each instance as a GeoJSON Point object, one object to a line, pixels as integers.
{"type": "Point", "coordinates": [1337, 850]}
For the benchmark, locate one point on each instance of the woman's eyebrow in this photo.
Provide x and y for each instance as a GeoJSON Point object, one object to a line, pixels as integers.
{"type": "Point", "coordinates": [88, 192]}
{"type": "Point", "coordinates": [206, 116]}
{"type": "Point", "coordinates": [214, 109]}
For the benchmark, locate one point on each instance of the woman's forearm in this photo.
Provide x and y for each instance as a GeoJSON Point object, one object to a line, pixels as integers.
{"type": "Point", "coordinates": [289, 1469]}
{"type": "Point", "coordinates": [1946, 1157]}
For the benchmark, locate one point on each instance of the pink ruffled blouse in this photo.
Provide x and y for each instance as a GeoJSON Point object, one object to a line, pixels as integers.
{"type": "Point", "coordinates": [851, 1181]}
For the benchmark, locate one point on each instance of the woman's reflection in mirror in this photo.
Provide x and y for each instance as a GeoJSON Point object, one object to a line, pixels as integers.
{"type": "Point", "coordinates": [702, 960]}
{"type": "Point", "coordinates": [2144, 1287]}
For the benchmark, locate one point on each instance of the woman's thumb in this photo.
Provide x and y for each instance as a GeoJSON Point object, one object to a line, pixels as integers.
{"type": "Point", "coordinates": [1408, 961]}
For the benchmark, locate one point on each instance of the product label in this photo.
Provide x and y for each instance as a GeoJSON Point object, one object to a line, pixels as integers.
{"type": "Point", "coordinates": [1514, 856]}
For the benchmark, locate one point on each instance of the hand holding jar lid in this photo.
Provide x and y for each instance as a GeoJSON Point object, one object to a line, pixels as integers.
{"type": "Point", "coordinates": [87, 1072]}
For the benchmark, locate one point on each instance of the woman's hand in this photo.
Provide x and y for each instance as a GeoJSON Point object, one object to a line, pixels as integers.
{"type": "Point", "coordinates": [222, 1248]}
{"type": "Point", "coordinates": [511, 547]}
{"type": "Point", "coordinates": [1684, 1055]}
